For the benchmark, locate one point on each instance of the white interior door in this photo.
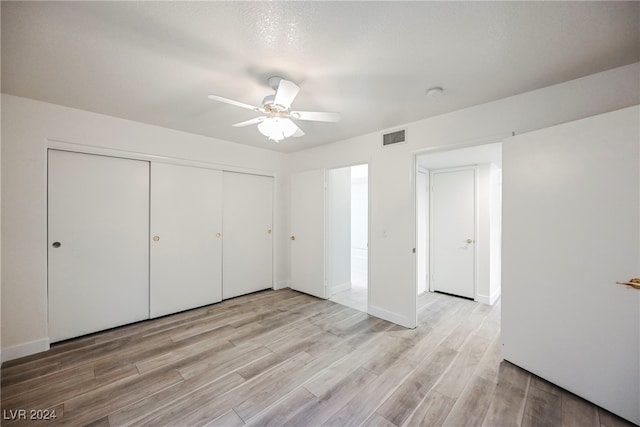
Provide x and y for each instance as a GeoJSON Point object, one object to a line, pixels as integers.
{"type": "Point", "coordinates": [453, 231]}
{"type": "Point", "coordinates": [186, 242]}
{"type": "Point", "coordinates": [248, 244]}
{"type": "Point", "coordinates": [98, 256]}
{"type": "Point", "coordinates": [571, 220]}
{"type": "Point", "coordinates": [307, 230]}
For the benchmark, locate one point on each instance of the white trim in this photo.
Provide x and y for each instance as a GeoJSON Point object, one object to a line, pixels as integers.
{"type": "Point", "coordinates": [468, 143]}
{"type": "Point", "coordinates": [25, 349]}
{"type": "Point", "coordinates": [412, 316]}
{"type": "Point", "coordinates": [281, 284]}
{"type": "Point", "coordinates": [135, 155]}
{"type": "Point", "coordinates": [390, 316]}
{"type": "Point", "coordinates": [488, 300]}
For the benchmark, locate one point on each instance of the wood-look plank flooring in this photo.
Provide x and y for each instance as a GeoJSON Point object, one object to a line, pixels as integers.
{"type": "Point", "coordinates": [282, 358]}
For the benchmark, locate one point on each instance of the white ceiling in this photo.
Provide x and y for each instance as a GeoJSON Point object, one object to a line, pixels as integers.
{"type": "Point", "coordinates": [155, 62]}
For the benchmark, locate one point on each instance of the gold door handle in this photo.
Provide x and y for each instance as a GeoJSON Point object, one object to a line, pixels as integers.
{"type": "Point", "coordinates": [269, 231]}
{"type": "Point", "coordinates": [156, 238]}
{"type": "Point", "coordinates": [292, 238]}
{"type": "Point", "coordinates": [634, 283]}
{"type": "Point", "coordinates": [469, 241]}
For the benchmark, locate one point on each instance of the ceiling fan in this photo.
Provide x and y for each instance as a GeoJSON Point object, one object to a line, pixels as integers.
{"type": "Point", "coordinates": [277, 122]}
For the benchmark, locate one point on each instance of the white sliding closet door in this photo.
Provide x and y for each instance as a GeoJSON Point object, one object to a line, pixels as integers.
{"type": "Point", "coordinates": [247, 222]}
{"type": "Point", "coordinates": [98, 256]}
{"type": "Point", "coordinates": [186, 239]}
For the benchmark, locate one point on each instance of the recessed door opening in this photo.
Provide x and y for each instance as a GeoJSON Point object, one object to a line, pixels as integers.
{"type": "Point", "coordinates": [458, 223]}
{"type": "Point", "coordinates": [347, 235]}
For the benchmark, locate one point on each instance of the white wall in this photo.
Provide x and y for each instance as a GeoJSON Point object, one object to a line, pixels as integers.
{"type": "Point", "coordinates": [359, 224]}
{"type": "Point", "coordinates": [27, 125]}
{"type": "Point", "coordinates": [495, 235]}
{"type": "Point", "coordinates": [338, 237]}
{"type": "Point", "coordinates": [483, 258]}
{"type": "Point", "coordinates": [391, 169]}
{"type": "Point", "coordinates": [422, 231]}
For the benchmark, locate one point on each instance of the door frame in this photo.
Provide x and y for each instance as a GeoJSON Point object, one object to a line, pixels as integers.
{"type": "Point", "coordinates": [414, 168]}
{"type": "Point", "coordinates": [350, 165]}
{"type": "Point", "coordinates": [369, 248]}
{"type": "Point", "coordinates": [431, 262]}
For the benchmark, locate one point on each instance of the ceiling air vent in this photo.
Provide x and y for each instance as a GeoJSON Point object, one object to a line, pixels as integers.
{"type": "Point", "coordinates": [394, 137]}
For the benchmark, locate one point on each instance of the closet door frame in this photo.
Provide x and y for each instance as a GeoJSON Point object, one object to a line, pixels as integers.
{"type": "Point", "coordinates": [149, 157]}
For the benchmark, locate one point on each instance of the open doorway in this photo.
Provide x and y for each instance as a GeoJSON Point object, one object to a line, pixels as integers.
{"type": "Point", "coordinates": [458, 223]}
{"type": "Point", "coordinates": [347, 221]}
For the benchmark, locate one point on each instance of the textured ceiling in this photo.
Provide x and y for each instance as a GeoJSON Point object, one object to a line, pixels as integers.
{"type": "Point", "coordinates": [155, 62]}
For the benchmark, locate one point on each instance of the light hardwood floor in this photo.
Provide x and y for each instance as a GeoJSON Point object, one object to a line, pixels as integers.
{"type": "Point", "coordinates": [283, 358]}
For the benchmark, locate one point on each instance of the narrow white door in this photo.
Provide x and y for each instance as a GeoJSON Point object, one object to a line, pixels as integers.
{"type": "Point", "coordinates": [248, 230]}
{"type": "Point", "coordinates": [186, 238]}
{"type": "Point", "coordinates": [453, 231]}
{"type": "Point", "coordinates": [571, 224]}
{"type": "Point", "coordinates": [307, 232]}
{"type": "Point", "coordinates": [98, 252]}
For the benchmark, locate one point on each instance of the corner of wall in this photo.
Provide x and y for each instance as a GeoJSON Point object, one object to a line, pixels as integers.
{"type": "Point", "coordinates": [390, 316]}
{"type": "Point", "coordinates": [488, 299]}
{"type": "Point", "coordinates": [281, 284]}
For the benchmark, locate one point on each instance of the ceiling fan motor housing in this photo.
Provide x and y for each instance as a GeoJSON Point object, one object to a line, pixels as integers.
{"type": "Point", "coordinates": [271, 107]}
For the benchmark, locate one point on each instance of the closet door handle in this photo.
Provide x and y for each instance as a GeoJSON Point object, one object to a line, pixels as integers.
{"type": "Point", "coordinates": [292, 238]}
{"type": "Point", "coordinates": [218, 235]}
{"type": "Point", "coordinates": [56, 244]}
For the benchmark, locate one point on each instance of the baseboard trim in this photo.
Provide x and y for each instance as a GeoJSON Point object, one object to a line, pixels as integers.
{"type": "Point", "coordinates": [391, 316]}
{"type": "Point", "coordinates": [488, 299]}
{"type": "Point", "coordinates": [281, 284]}
{"type": "Point", "coordinates": [25, 349]}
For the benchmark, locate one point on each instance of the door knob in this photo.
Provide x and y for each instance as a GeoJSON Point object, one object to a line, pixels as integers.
{"type": "Point", "coordinates": [292, 237]}
{"type": "Point", "coordinates": [634, 283]}
{"type": "Point", "coordinates": [156, 238]}
{"type": "Point", "coordinates": [469, 241]}
{"type": "Point", "coordinates": [269, 231]}
{"type": "Point", "coordinates": [56, 244]}
{"type": "Point", "coordinates": [218, 235]}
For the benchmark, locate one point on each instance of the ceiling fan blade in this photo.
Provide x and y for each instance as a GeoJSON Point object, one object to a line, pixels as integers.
{"type": "Point", "coordinates": [298, 132]}
{"type": "Point", "coordinates": [316, 116]}
{"type": "Point", "coordinates": [286, 93]}
{"type": "Point", "coordinates": [236, 103]}
{"type": "Point", "coordinates": [250, 122]}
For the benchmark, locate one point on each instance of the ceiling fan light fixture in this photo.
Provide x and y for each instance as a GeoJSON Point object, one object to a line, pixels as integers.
{"type": "Point", "coordinates": [277, 128]}
{"type": "Point", "coordinates": [276, 124]}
